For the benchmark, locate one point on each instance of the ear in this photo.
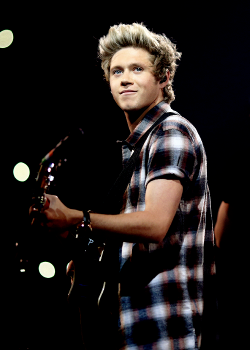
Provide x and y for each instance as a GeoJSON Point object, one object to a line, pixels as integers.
{"type": "Point", "coordinates": [165, 80]}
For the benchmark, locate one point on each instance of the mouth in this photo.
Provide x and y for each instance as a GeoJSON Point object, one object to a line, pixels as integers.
{"type": "Point", "coordinates": [127, 92]}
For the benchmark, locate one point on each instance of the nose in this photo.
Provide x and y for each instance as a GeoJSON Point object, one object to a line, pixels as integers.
{"type": "Point", "coordinates": [126, 79]}
{"type": "Point", "coordinates": [126, 83]}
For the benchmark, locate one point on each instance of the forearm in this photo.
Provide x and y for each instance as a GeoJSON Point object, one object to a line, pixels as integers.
{"type": "Point", "coordinates": [133, 227]}
{"type": "Point", "coordinates": [140, 226]}
{"type": "Point", "coordinates": [222, 224]}
{"type": "Point", "coordinates": [150, 225]}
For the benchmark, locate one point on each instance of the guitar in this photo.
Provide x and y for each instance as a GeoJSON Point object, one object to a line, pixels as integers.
{"type": "Point", "coordinates": [86, 252]}
{"type": "Point", "coordinates": [44, 180]}
{"type": "Point", "coordinates": [87, 285]}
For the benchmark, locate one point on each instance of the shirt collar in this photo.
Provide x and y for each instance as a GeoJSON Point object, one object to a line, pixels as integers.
{"type": "Point", "coordinates": [146, 122]}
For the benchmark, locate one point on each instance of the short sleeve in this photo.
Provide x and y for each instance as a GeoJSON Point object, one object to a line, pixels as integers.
{"type": "Point", "coordinates": [171, 154]}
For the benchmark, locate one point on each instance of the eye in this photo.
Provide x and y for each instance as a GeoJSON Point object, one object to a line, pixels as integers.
{"type": "Point", "coordinates": [138, 69]}
{"type": "Point", "coordinates": [116, 71]}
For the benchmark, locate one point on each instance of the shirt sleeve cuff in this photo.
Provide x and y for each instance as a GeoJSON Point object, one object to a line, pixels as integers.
{"type": "Point", "coordinates": [171, 170]}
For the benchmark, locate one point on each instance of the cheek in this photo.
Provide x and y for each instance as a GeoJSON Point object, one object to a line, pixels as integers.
{"type": "Point", "coordinates": [149, 90]}
{"type": "Point", "coordinates": [114, 94]}
{"type": "Point", "coordinates": [149, 84]}
{"type": "Point", "coordinates": [113, 87]}
{"type": "Point", "coordinates": [112, 90]}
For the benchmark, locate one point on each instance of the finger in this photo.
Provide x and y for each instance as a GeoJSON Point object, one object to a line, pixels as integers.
{"type": "Point", "coordinates": [33, 213]}
{"type": "Point", "coordinates": [32, 208]}
{"type": "Point", "coordinates": [35, 216]}
{"type": "Point", "coordinates": [70, 268]}
{"type": "Point", "coordinates": [50, 197]}
{"type": "Point", "coordinates": [46, 204]}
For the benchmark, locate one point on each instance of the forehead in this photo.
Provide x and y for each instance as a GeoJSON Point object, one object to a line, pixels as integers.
{"type": "Point", "coordinates": [130, 55]}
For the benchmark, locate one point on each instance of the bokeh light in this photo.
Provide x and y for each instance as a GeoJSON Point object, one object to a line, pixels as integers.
{"type": "Point", "coordinates": [46, 269]}
{"type": "Point", "coordinates": [21, 172]}
{"type": "Point", "coordinates": [6, 38]}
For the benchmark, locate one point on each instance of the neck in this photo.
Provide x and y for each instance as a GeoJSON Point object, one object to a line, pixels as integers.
{"type": "Point", "coordinates": [135, 117]}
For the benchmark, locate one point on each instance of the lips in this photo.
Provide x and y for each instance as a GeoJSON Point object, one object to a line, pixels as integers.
{"type": "Point", "coordinates": [127, 92]}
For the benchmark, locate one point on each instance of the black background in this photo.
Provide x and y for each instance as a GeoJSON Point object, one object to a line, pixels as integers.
{"type": "Point", "coordinates": [51, 83]}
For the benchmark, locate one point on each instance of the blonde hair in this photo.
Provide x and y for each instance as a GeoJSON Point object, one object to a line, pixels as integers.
{"type": "Point", "coordinates": [162, 51]}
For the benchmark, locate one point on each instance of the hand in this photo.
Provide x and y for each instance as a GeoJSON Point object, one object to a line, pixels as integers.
{"type": "Point", "coordinates": [35, 213]}
{"type": "Point", "coordinates": [56, 216]}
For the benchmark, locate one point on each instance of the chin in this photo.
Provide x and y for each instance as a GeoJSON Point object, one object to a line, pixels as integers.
{"type": "Point", "coordinates": [131, 108]}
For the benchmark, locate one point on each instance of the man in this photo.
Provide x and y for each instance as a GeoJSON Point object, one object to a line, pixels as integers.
{"type": "Point", "coordinates": [232, 239]}
{"type": "Point", "coordinates": [166, 218]}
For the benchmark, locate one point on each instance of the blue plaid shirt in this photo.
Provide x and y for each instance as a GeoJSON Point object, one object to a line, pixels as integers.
{"type": "Point", "coordinates": [161, 288]}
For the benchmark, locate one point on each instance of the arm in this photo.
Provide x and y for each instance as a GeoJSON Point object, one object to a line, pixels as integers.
{"type": "Point", "coordinates": [222, 224]}
{"type": "Point", "coordinates": [162, 200]}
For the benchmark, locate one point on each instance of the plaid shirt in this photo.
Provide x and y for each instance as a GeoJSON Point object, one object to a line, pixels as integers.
{"type": "Point", "coordinates": [161, 288]}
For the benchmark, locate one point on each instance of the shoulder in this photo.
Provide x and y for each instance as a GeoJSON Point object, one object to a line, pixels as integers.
{"type": "Point", "coordinates": [178, 127]}
{"type": "Point", "coordinates": [177, 133]}
{"type": "Point", "coordinates": [184, 126]}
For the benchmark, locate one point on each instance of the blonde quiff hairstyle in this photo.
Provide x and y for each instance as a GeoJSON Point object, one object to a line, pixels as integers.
{"type": "Point", "coordinates": [163, 52]}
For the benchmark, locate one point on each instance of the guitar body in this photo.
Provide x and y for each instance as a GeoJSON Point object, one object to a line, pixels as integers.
{"type": "Point", "coordinates": [86, 251]}
{"type": "Point", "coordinates": [87, 286]}
{"type": "Point", "coordinates": [85, 268]}
{"type": "Point", "coordinates": [85, 271]}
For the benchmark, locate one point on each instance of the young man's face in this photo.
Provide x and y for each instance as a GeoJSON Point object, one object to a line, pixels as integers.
{"type": "Point", "coordinates": [132, 82]}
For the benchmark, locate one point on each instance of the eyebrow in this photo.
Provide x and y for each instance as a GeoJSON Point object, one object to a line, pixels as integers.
{"type": "Point", "coordinates": [138, 64]}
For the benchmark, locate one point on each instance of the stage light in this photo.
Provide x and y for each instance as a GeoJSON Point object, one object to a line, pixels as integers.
{"type": "Point", "coordinates": [46, 269]}
{"type": "Point", "coordinates": [6, 38]}
{"type": "Point", "coordinates": [21, 172]}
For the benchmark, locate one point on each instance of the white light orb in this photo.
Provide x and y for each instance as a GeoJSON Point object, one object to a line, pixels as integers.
{"type": "Point", "coordinates": [46, 269]}
{"type": "Point", "coordinates": [6, 38]}
{"type": "Point", "coordinates": [21, 172]}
